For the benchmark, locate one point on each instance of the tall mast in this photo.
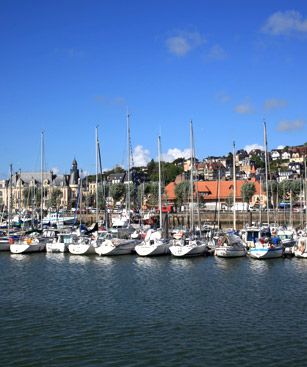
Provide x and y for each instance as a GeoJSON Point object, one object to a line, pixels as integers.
{"type": "Point", "coordinates": [260, 202]}
{"type": "Point", "coordinates": [218, 198]}
{"type": "Point", "coordinates": [42, 178]}
{"type": "Point", "coordinates": [128, 173]}
{"type": "Point", "coordinates": [19, 196]}
{"type": "Point", "coordinates": [10, 201]}
{"type": "Point", "coordinates": [305, 190]}
{"type": "Point", "coordinates": [160, 189]}
{"type": "Point", "coordinates": [234, 186]}
{"type": "Point", "coordinates": [266, 171]}
{"type": "Point", "coordinates": [191, 179]}
{"type": "Point", "coordinates": [96, 145]}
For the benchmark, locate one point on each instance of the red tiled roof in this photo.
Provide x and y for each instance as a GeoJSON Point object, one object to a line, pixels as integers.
{"type": "Point", "coordinates": [209, 189]}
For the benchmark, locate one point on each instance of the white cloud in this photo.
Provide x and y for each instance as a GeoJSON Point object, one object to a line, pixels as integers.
{"type": "Point", "coordinates": [244, 108]}
{"type": "Point", "coordinates": [280, 147]}
{"type": "Point", "coordinates": [291, 125]}
{"type": "Point", "coordinates": [183, 42]}
{"type": "Point", "coordinates": [141, 156]}
{"type": "Point", "coordinates": [274, 103]}
{"type": "Point", "coordinates": [250, 147]}
{"type": "Point", "coordinates": [283, 23]}
{"type": "Point", "coordinates": [216, 53]}
{"type": "Point", "coordinates": [175, 153]}
{"type": "Point", "coordinates": [55, 170]}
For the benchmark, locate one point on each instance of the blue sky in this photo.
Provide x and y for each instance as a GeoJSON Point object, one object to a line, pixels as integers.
{"type": "Point", "coordinates": [67, 66]}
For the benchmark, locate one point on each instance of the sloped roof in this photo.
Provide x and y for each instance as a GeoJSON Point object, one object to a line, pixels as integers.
{"type": "Point", "coordinates": [210, 189]}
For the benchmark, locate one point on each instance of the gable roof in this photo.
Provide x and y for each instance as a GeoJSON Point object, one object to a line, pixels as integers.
{"type": "Point", "coordinates": [209, 189]}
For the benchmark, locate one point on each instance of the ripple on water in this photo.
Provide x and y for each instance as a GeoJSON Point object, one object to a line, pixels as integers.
{"type": "Point", "coordinates": [92, 311]}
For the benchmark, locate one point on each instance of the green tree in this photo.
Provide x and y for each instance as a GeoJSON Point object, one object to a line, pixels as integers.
{"type": "Point", "coordinates": [182, 192]}
{"type": "Point", "coordinates": [117, 191]}
{"type": "Point", "coordinates": [258, 161]}
{"type": "Point", "coordinates": [151, 191]}
{"type": "Point", "coordinates": [247, 191]}
{"type": "Point", "coordinates": [55, 198]}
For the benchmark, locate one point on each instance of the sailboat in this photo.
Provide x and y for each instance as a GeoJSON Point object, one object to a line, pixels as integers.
{"type": "Point", "coordinates": [191, 246]}
{"type": "Point", "coordinates": [121, 224]}
{"type": "Point", "coordinates": [153, 243]}
{"type": "Point", "coordinates": [109, 245]}
{"type": "Point", "coordinates": [34, 242]}
{"type": "Point", "coordinates": [230, 245]}
{"type": "Point", "coordinates": [265, 248]}
{"type": "Point", "coordinates": [83, 244]}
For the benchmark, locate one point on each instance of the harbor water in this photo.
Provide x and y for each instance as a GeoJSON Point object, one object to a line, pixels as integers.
{"type": "Point", "coordinates": [65, 310]}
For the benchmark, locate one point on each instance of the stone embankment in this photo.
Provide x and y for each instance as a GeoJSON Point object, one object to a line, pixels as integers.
{"type": "Point", "coordinates": [226, 218]}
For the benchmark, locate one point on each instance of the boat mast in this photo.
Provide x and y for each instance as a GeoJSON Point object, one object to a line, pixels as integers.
{"type": "Point", "coordinates": [191, 180]}
{"type": "Point", "coordinates": [291, 209]}
{"type": "Point", "coordinates": [218, 198]}
{"type": "Point", "coordinates": [42, 178]}
{"type": "Point", "coordinates": [266, 171]}
{"type": "Point", "coordinates": [305, 190]}
{"type": "Point", "coordinates": [10, 201]}
{"type": "Point", "coordinates": [80, 186]}
{"type": "Point", "coordinates": [96, 145]}
{"type": "Point", "coordinates": [234, 186]}
{"type": "Point", "coordinates": [128, 173]}
{"type": "Point", "coordinates": [160, 189]}
{"type": "Point", "coordinates": [19, 196]}
{"type": "Point", "coordinates": [260, 198]}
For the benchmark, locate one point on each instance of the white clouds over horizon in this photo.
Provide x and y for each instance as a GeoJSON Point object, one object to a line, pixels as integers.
{"type": "Point", "coordinates": [285, 23]}
{"type": "Point", "coordinates": [175, 153]}
{"type": "Point", "coordinates": [287, 125]}
{"type": "Point", "coordinates": [251, 147]}
{"type": "Point", "coordinates": [182, 42]}
{"type": "Point", "coordinates": [141, 156]}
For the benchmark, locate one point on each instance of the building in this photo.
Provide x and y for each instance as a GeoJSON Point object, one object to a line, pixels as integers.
{"type": "Point", "coordinates": [210, 191]}
{"type": "Point", "coordinates": [23, 189]}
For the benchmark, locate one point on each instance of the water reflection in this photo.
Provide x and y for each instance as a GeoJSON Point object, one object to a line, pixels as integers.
{"type": "Point", "coordinates": [229, 263]}
{"type": "Point", "coordinates": [21, 257]}
{"type": "Point", "coordinates": [107, 261]}
{"type": "Point", "coordinates": [148, 262]}
{"type": "Point", "coordinates": [56, 257]}
{"type": "Point", "coordinates": [79, 259]}
{"type": "Point", "coordinates": [262, 266]}
{"type": "Point", "coordinates": [186, 263]}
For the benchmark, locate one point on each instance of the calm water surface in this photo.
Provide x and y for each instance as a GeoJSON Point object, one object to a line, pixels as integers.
{"type": "Point", "coordinates": [62, 310]}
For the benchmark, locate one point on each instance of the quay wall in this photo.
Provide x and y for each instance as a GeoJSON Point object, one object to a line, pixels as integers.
{"type": "Point", "coordinates": [226, 218]}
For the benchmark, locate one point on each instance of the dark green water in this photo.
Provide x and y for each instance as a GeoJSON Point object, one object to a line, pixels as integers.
{"type": "Point", "coordinates": [61, 310]}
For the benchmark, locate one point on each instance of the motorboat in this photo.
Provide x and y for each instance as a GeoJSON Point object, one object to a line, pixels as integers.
{"type": "Point", "coordinates": [61, 243]}
{"type": "Point", "coordinates": [230, 245]}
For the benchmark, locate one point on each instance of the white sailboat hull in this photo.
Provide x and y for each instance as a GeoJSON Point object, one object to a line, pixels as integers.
{"type": "Point", "coordinates": [111, 247]}
{"type": "Point", "coordinates": [22, 248]}
{"type": "Point", "coordinates": [266, 252]}
{"type": "Point", "coordinates": [188, 250]}
{"type": "Point", "coordinates": [156, 249]}
{"type": "Point", "coordinates": [56, 247]}
{"type": "Point", "coordinates": [81, 249]}
{"type": "Point", "coordinates": [230, 251]}
{"type": "Point", "coordinates": [300, 254]}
